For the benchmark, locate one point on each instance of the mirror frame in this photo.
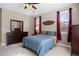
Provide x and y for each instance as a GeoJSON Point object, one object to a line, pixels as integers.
{"type": "Point", "coordinates": [15, 21]}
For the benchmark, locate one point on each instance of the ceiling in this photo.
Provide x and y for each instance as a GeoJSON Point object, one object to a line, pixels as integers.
{"type": "Point", "coordinates": [41, 8]}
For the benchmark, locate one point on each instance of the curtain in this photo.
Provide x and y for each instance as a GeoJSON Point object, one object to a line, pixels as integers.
{"type": "Point", "coordinates": [34, 25]}
{"type": "Point", "coordinates": [70, 25]}
{"type": "Point", "coordinates": [58, 26]}
{"type": "Point", "coordinates": [40, 24]}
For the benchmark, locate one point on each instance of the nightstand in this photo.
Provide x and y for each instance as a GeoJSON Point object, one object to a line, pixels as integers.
{"type": "Point", "coordinates": [35, 34]}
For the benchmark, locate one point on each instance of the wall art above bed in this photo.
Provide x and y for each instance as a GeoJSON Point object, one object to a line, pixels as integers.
{"type": "Point", "coordinates": [49, 22]}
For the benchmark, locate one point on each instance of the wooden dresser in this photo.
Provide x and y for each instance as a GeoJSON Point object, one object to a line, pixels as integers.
{"type": "Point", "coordinates": [75, 40]}
{"type": "Point", "coordinates": [15, 37]}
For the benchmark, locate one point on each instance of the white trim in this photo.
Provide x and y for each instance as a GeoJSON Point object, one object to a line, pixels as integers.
{"type": "Point", "coordinates": [64, 32]}
{"type": "Point", "coordinates": [2, 43]}
{"type": "Point", "coordinates": [64, 45]}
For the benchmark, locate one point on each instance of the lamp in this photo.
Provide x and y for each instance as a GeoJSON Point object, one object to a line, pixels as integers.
{"type": "Point", "coordinates": [37, 29]}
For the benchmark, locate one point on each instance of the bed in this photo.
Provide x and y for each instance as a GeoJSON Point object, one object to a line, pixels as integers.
{"type": "Point", "coordinates": [39, 43]}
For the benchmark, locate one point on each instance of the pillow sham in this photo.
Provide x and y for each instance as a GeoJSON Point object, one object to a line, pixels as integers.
{"type": "Point", "coordinates": [51, 33]}
{"type": "Point", "coordinates": [44, 32]}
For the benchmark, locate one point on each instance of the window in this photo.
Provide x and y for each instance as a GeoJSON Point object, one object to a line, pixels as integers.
{"type": "Point", "coordinates": [37, 24]}
{"type": "Point", "coordinates": [64, 20]}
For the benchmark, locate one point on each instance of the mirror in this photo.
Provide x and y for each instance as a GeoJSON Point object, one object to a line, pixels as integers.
{"type": "Point", "coordinates": [16, 25]}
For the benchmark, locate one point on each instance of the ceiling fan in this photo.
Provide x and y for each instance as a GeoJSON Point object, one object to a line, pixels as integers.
{"type": "Point", "coordinates": [30, 5]}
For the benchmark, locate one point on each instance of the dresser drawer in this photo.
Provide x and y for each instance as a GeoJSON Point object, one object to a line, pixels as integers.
{"type": "Point", "coordinates": [75, 40]}
{"type": "Point", "coordinates": [15, 37]}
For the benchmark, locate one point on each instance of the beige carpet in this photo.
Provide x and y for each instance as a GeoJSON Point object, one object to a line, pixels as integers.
{"type": "Point", "coordinates": [18, 50]}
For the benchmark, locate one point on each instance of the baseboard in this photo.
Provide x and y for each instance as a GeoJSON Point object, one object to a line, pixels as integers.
{"type": "Point", "coordinates": [64, 45]}
{"type": "Point", "coordinates": [2, 43]}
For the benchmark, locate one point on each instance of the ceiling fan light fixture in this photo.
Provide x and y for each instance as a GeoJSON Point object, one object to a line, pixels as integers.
{"type": "Point", "coordinates": [29, 6]}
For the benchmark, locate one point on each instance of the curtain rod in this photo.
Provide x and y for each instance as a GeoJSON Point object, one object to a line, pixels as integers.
{"type": "Point", "coordinates": [65, 9]}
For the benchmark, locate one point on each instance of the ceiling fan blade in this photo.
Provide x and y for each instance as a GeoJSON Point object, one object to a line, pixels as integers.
{"type": "Point", "coordinates": [25, 7]}
{"type": "Point", "coordinates": [35, 3]}
{"type": "Point", "coordinates": [31, 3]}
{"type": "Point", "coordinates": [34, 7]}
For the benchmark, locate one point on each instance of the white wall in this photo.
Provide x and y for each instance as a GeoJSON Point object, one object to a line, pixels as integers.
{"type": "Point", "coordinates": [7, 15]}
{"type": "Point", "coordinates": [52, 15]}
{"type": "Point", "coordinates": [29, 23]}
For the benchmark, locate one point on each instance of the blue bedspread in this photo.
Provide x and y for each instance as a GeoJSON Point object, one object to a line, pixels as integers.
{"type": "Point", "coordinates": [39, 43]}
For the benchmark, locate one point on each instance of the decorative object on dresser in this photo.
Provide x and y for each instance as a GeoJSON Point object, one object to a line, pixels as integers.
{"type": "Point", "coordinates": [16, 35]}
{"type": "Point", "coordinates": [75, 40]}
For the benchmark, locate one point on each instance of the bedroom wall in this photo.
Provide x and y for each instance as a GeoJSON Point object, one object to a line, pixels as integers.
{"type": "Point", "coordinates": [7, 15]}
{"type": "Point", "coordinates": [52, 16]}
{"type": "Point", "coordinates": [0, 24]}
{"type": "Point", "coordinates": [49, 16]}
